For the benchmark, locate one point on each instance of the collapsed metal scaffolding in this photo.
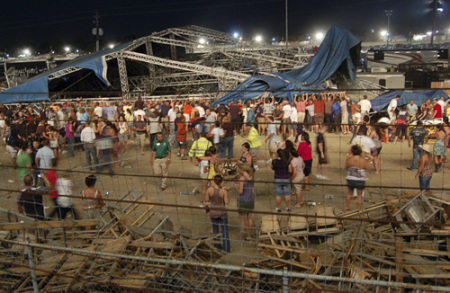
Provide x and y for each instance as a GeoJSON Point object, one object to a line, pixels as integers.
{"type": "Point", "coordinates": [199, 57]}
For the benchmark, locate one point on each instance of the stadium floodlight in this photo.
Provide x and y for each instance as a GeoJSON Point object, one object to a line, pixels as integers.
{"type": "Point", "coordinates": [202, 41]}
{"type": "Point", "coordinates": [27, 52]}
{"type": "Point", "coordinates": [67, 49]}
{"type": "Point", "coordinates": [383, 33]}
{"type": "Point", "coordinates": [258, 38]}
{"type": "Point", "coordinates": [319, 36]}
{"type": "Point", "coordinates": [111, 46]}
{"type": "Point", "coordinates": [236, 35]}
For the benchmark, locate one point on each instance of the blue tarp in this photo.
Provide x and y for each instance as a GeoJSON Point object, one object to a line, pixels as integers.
{"type": "Point", "coordinates": [333, 51]}
{"type": "Point", "coordinates": [36, 88]}
{"type": "Point", "coordinates": [419, 97]}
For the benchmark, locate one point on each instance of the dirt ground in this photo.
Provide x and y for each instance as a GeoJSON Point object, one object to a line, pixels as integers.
{"type": "Point", "coordinates": [136, 172]}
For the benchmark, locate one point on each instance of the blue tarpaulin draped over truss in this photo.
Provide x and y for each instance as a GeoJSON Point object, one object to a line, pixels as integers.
{"type": "Point", "coordinates": [419, 97]}
{"type": "Point", "coordinates": [36, 88]}
{"type": "Point", "coordinates": [333, 51]}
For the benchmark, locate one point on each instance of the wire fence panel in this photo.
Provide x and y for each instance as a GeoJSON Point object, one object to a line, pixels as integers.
{"type": "Point", "coordinates": [145, 229]}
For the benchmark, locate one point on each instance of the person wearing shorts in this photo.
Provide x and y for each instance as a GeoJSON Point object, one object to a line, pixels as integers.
{"type": "Point", "coordinates": [356, 165]}
{"type": "Point", "coordinates": [12, 146]}
{"type": "Point", "coordinates": [297, 176]}
{"type": "Point", "coordinates": [305, 152]}
{"type": "Point", "coordinates": [280, 166]}
{"type": "Point", "coordinates": [246, 198]}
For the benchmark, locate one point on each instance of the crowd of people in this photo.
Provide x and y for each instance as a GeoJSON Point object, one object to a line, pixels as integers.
{"type": "Point", "coordinates": [37, 136]}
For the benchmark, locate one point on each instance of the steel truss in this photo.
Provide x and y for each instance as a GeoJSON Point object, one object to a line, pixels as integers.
{"type": "Point", "coordinates": [63, 72]}
{"type": "Point", "coordinates": [219, 62]}
{"type": "Point", "coordinates": [199, 69]}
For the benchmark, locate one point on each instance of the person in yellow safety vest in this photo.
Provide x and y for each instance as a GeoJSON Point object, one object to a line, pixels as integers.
{"type": "Point", "coordinates": [199, 147]}
{"type": "Point", "coordinates": [254, 140]}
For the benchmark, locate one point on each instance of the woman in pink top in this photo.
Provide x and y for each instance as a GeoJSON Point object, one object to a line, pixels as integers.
{"type": "Point", "coordinates": [305, 151]}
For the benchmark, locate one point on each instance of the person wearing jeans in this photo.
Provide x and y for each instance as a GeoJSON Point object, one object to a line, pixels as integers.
{"type": "Point", "coordinates": [87, 137]}
{"type": "Point", "coordinates": [228, 140]}
{"type": "Point", "coordinates": [425, 171]}
{"type": "Point", "coordinates": [418, 135]}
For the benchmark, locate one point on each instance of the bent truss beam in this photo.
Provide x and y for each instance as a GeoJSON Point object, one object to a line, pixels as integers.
{"type": "Point", "coordinates": [63, 72]}
{"type": "Point", "coordinates": [265, 58]}
{"type": "Point", "coordinates": [220, 73]}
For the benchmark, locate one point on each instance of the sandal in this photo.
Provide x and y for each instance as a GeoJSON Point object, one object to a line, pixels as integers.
{"type": "Point", "coordinates": [298, 205]}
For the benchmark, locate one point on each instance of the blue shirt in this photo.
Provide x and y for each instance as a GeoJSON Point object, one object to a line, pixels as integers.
{"type": "Point", "coordinates": [251, 116]}
{"type": "Point", "coordinates": [110, 112]}
{"type": "Point", "coordinates": [45, 155]}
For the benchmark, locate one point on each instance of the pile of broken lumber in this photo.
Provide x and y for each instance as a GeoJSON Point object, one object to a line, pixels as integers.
{"type": "Point", "coordinates": [399, 242]}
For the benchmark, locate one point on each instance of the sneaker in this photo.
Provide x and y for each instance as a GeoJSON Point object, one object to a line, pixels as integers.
{"type": "Point", "coordinates": [179, 154]}
{"type": "Point", "coordinates": [410, 169]}
{"type": "Point", "coordinates": [318, 176]}
{"type": "Point", "coordinates": [269, 161]}
{"type": "Point", "coordinates": [142, 153]}
{"type": "Point", "coordinates": [183, 157]}
{"type": "Point", "coordinates": [288, 210]}
{"type": "Point", "coordinates": [278, 210]}
{"type": "Point", "coordinates": [256, 167]}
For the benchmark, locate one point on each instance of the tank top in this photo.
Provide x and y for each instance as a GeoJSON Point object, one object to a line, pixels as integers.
{"type": "Point", "coordinates": [69, 134]}
{"type": "Point", "coordinates": [155, 125]}
{"type": "Point", "coordinates": [122, 127]}
{"type": "Point", "coordinates": [90, 201]}
{"type": "Point", "coordinates": [247, 194]}
{"type": "Point", "coordinates": [217, 202]}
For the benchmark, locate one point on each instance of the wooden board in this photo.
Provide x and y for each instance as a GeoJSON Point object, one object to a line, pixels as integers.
{"type": "Point", "coordinates": [269, 223]}
{"type": "Point", "coordinates": [328, 212]}
{"type": "Point", "coordinates": [297, 223]}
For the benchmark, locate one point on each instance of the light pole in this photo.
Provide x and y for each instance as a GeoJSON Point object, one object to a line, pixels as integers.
{"type": "Point", "coordinates": [388, 14]}
{"type": "Point", "coordinates": [286, 25]}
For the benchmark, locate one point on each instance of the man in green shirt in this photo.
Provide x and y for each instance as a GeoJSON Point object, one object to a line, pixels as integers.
{"type": "Point", "coordinates": [160, 158]}
{"type": "Point", "coordinates": [23, 161]}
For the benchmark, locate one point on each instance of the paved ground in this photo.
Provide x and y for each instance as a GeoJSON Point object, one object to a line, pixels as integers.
{"type": "Point", "coordinates": [135, 169]}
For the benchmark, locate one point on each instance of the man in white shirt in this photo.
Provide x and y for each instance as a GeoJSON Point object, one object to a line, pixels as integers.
{"type": "Point", "coordinates": [210, 121]}
{"type": "Point", "coordinates": [366, 143]}
{"type": "Point", "coordinates": [294, 119]}
{"type": "Point", "coordinates": [201, 110]}
{"type": "Point", "coordinates": [172, 116]}
{"type": "Point", "coordinates": [287, 109]}
{"type": "Point", "coordinates": [392, 106]}
{"type": "Point", "coordinates": [87, 137]}
{"type": "Point", "coordinates": [141, 113]}
{"type": "Point", "coordinates": [443, 105]}
{"type": "Point", "coordinates": [44, 156]}
{"type": "Point", "coordinates": [365, 105]}
{"type": "Point", "coordinates": [98, 110]}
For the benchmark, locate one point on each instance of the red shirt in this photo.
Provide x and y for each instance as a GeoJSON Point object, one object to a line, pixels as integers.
{"type": "Point", "coordinates": [438, 109]}
{"type": "Point", "coordinates": [187, 109]}
{"type": "Point", "coordinates": [319, 107]}
{"type": "Point", "coordinates": [304, 150]}
{"type": "Point", "coordinates": [52, 177]}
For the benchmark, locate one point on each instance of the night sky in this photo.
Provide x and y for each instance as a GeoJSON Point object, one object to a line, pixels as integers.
{"type": "Point", "coordinates": [49, 22]}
